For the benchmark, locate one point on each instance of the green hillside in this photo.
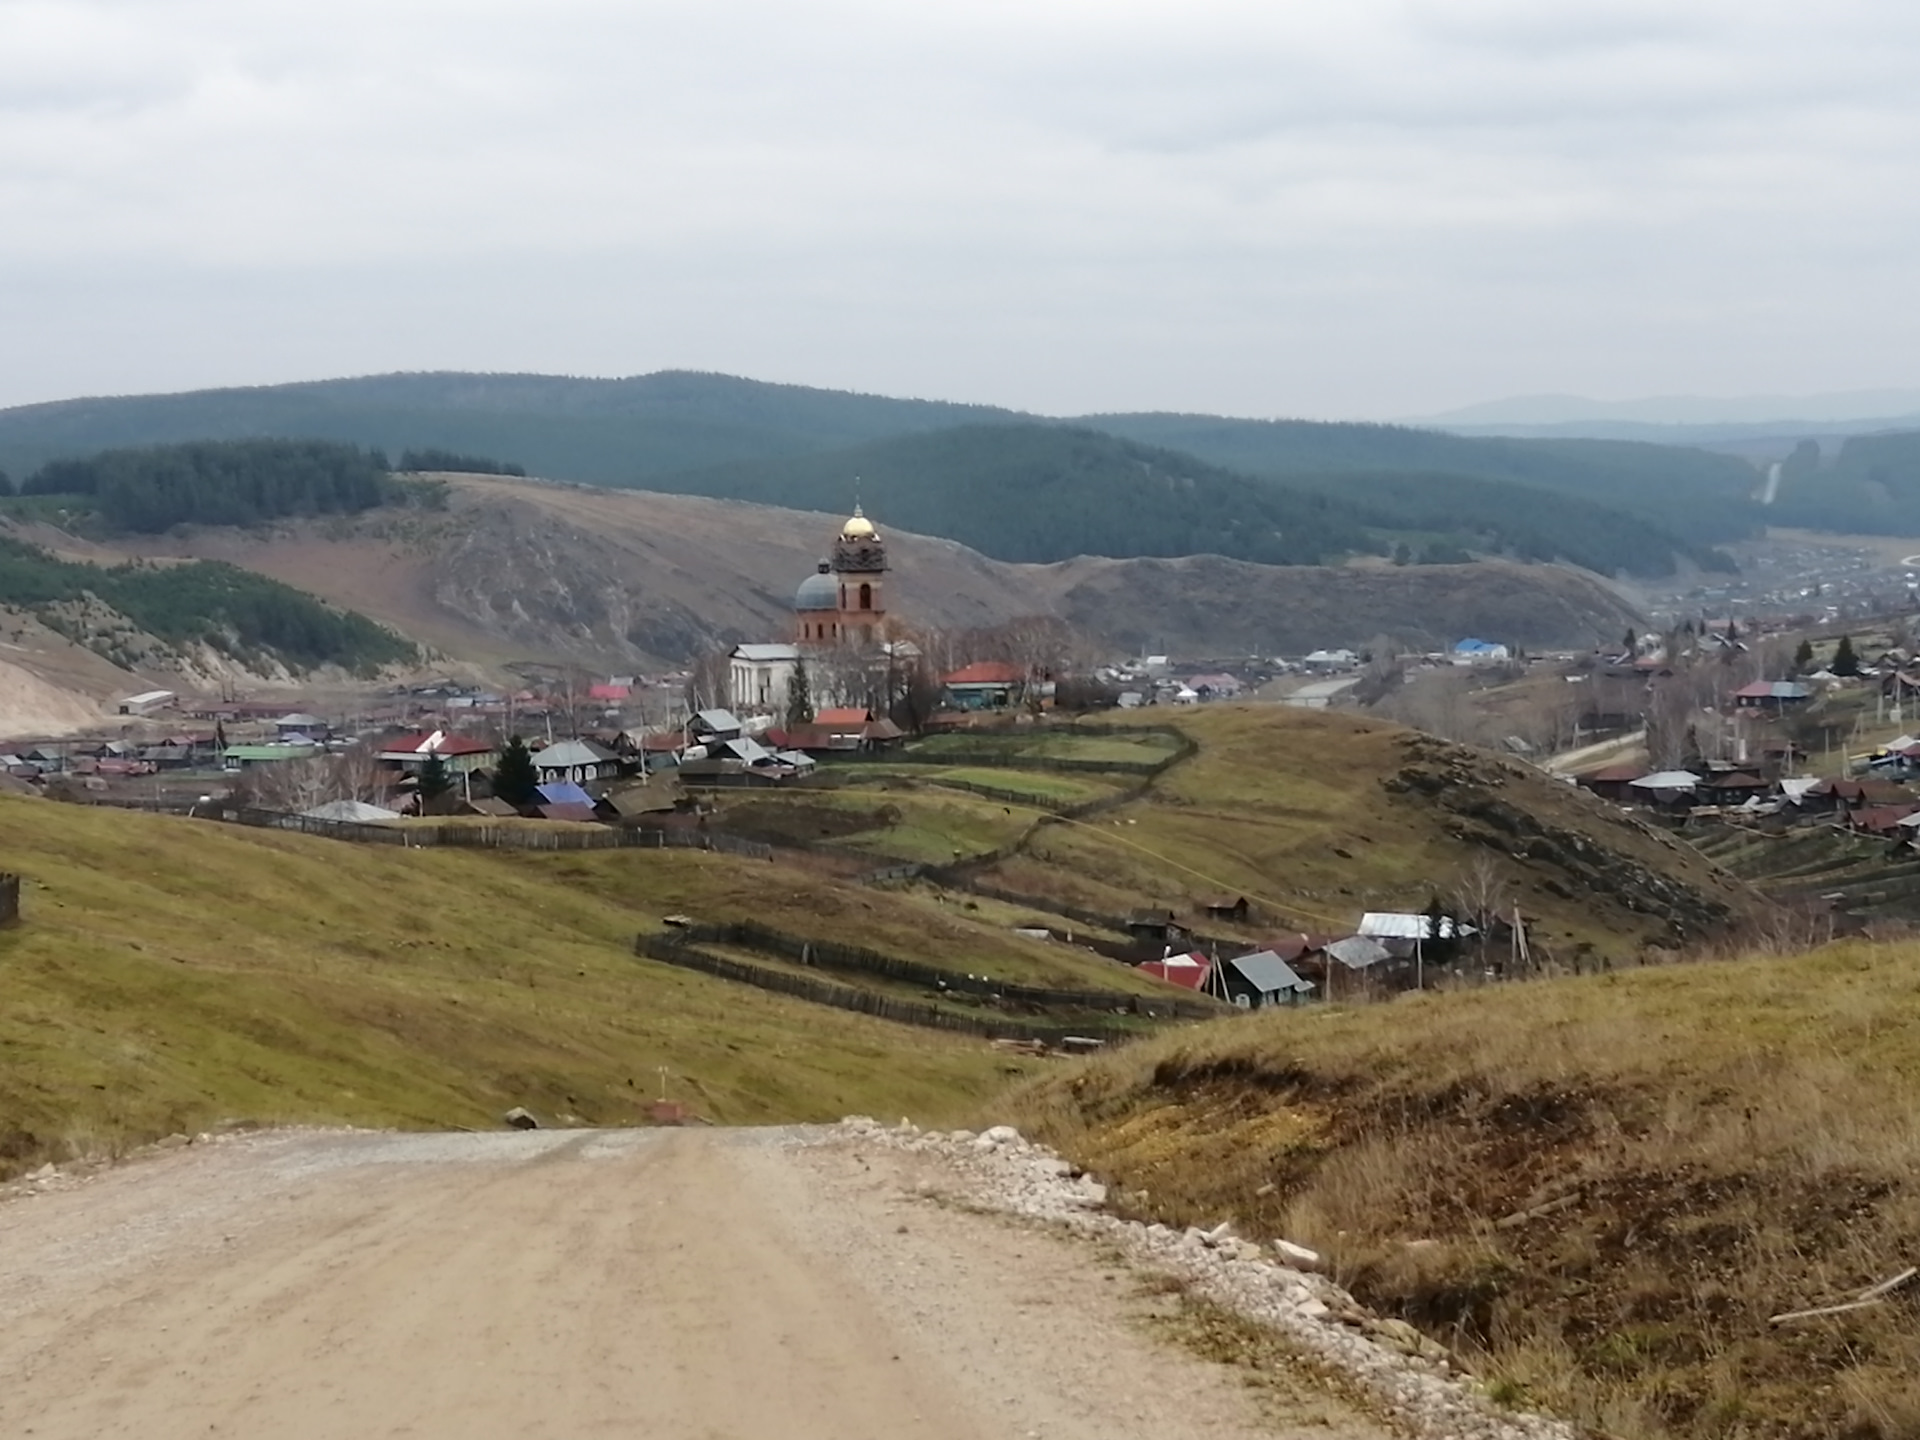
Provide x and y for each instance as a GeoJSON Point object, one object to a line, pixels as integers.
{"type": "Point", "coordinates": [1702, 497]}
{"type": "Point", "coordinates": [235, 611]}
{"type": "Point", "coordinates": [1872, 486]}
{"type": "Point", "coordinates": [720, 435]}
{"type": "Point", "coordinates": [603, 432]}
{"type": "Point", "coordinates": [169, 973]}
{"type": "Point", "coordinates": [1041, 493]}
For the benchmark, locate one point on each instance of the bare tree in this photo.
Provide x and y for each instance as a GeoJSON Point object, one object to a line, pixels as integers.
{"type": "Point", "coordinates": [708, 681]}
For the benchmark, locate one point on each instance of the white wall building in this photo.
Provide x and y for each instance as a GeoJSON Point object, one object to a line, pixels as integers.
{"type": "Point", "coordinates": [758, 676]}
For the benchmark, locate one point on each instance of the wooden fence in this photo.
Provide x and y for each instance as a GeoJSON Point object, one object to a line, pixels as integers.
{"type": "Point", "coordinates": [9, 899]}
{"type": "Point", "coordinates": [855, 959]}
{"type": "Point", "coordinates": [676, 950]}
{"type": "Point", "coordinates": [508, 836]}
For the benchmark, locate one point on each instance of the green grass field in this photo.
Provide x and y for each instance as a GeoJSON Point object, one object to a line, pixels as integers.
{"type": "Point", "coordinates": [1041, 784]}
{"type": "Point", "coordinates": [1086, 744]}
{"type": "Point", "coordinates": [170, 973]}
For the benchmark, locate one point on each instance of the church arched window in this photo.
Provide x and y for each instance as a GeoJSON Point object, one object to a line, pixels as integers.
{"type": "Point", "coordinates": [866, 597]}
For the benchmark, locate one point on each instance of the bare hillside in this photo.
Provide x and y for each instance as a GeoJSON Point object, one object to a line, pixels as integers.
{"type": "Point", "coordinates": [515, 568]}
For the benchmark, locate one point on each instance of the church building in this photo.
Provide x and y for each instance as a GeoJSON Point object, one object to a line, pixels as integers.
{"type": "Point", "coordinates": [843, 603]}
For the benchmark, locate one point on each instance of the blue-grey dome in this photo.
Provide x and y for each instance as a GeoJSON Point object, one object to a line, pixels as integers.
{"type": "Point", "coordinates": [819, 591]}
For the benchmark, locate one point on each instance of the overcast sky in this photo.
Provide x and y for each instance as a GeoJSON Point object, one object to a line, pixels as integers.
{"type": "Point", "coordinates": [1281, 207]}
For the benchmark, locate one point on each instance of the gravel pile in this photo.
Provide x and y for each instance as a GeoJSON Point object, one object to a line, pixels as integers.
{"type": "Point", "coordinates": [1406, 1377]}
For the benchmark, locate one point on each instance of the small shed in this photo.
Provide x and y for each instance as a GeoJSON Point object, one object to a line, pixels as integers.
{"type": "Point", "coordinates": [1236, 908]}
{"type": "Point", "coordinates": [1259, 980]}
{"type": "Point", "coordinates": [1157, 927]}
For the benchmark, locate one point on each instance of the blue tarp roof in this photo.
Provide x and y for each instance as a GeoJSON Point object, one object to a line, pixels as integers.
{"type": "Point", "coordinates": [564, 792]}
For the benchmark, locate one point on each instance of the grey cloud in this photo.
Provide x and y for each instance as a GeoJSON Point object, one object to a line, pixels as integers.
{"type": "Point", "coordinates": [1376, 207]}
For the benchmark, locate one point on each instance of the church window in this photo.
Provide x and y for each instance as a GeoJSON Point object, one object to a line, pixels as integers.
{"type": "Point", "coordinates": [866, 597]}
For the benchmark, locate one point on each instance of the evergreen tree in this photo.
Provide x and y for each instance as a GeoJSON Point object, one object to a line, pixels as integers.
{"type": "Point", "coordinates": [1844, 661]}
{"type": "Point", "coordinates": [435, 781]}
{"type": "Point", "coordinates": [514, 778]}
{"type": "Point", "coordinates": [1631, 640]}
{"type": "Point", "coordinates": [799, 697]}
{"type": "Point", "coordinates": [1803, 657]}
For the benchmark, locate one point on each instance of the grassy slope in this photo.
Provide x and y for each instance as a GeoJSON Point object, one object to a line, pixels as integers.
{"type": "Point", "coordinates": [1717, 1143]}
{"type": "Point", "coordinates": [1287, 807]}
{"type": "Point", "coordinates": [169, 973]}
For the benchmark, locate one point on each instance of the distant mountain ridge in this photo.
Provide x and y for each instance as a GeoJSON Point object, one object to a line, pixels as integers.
{"type": "Point", "coordinates": [1839, 406]}
{"type": "Point", "coordinates": [685, 431]}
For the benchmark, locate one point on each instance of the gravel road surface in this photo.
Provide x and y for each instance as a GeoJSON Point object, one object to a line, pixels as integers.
{"type": "Point", "coordinates": [681, 1284]}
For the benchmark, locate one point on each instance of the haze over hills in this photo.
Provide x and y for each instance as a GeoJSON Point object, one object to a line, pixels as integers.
{"type": "Point", "coordinates": [1684, 419]}
{"type": "Point", "coordinates": [1830, 406]}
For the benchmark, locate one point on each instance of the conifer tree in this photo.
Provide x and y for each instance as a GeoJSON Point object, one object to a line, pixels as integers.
{"type": "Point", "coordinates": [434, 779]}
{"type": "Point", "coordinates": [514, 778]}
{"type": "Point", "coordinates": [799, 697]}
{"type": "Point", "coordinates": [1845, 662]}
{"type": "Point", "coordinates": [1803, 657]}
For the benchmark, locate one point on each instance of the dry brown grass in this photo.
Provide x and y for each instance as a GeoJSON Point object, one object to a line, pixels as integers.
{"type": "Point", "coordinates": [1310, 814]}
{"type": "Point", "coordinates": [1691, 1149]}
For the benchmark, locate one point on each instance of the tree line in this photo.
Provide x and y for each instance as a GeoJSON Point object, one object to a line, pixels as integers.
{"type": "Point", "coordinates": [454, 463]}
{"type": "Point", "coordinates": [148, 489]}
{"type": "Point", "coordinates": [234, 611]}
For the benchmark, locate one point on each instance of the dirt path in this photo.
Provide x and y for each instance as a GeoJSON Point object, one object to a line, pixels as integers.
{"type": "Point", "coordinates": [679, 1284]}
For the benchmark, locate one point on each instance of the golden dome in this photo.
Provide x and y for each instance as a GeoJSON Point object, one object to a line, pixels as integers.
{"type": "Point", "coordinates": [858, 528]}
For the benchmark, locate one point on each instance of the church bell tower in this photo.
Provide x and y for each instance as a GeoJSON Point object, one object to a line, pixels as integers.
{"type": "Point", "coordinates": [859, 568]}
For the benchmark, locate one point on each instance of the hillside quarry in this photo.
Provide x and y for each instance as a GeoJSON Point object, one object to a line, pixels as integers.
{"type": "Point", "coordinates": [623, 578]}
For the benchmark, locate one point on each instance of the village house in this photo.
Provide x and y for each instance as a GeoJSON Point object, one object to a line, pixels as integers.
{"type": "Point", "coordinates": [250, 757]}
{"type": "Point", "coordinates": [1256, 981]}
{"type": "Point", "coordinates": [1772, 696]}
{"type": "Point", "coordinates": [985, 685]}
{"type": "Point", "coordinates": [579, 761]}
{"type": "Point", "coordinates": [1188, 971]}
{"type": "Point", "coordinates": [1479, 652]}
{"type": "Point", "coordinates": [460, 754]}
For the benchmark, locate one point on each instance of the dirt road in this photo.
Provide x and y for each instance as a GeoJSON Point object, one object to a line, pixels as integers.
{"type": "Point", "coordinates": [689, 1285]}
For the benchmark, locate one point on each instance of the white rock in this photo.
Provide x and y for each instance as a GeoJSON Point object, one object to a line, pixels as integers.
{"type": "Point", "coordinates": [1298, 1256]}
{"type": "Point", "coordinates": [1001, 1135]}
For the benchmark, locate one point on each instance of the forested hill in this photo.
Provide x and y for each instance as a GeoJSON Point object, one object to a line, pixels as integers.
{"type": "Point", "coordinates": [245, 616]}
{"type": "Point", "coordinates": [601, 432]}
{"type": "Point", "coordinates": [1042, 493]}
{"type": "Point", "coordinates": [1700, 496]}
{"type": "Point", "coordinates": [1872, 486]}
{"type": "Point", "coordinates": [151, 488]}
{"type": "Point", "coordinates": [681, 430]}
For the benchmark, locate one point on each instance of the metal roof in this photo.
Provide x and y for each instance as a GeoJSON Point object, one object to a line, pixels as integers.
{"type": "Point", "coordinates": [718, 720]}
{"type": "Point", "coordinates": [766, 652]}
{"type": "Point", "coordinates": [353, 811]}
{"type": "Point", "coordinates": [1268, 973]}
{"type": "Point", "coordinates": [1668, 780]}
{"type": "Point", "coordinates": [571, 754]}
{"type": "Point", "coordinates": [564, 792]}
{"type": "Point", "coordinates": [1391, 925]}
{"type": "Point", "coordinates": [1357, 952]}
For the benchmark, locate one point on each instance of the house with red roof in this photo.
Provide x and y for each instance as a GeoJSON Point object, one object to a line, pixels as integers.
{"type": "Point", "coordinates": [410, 752]}
{"type": "Point", "coordinates": [1189, 972]}
{"type": "Point", "coordinates": [985, 685]}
